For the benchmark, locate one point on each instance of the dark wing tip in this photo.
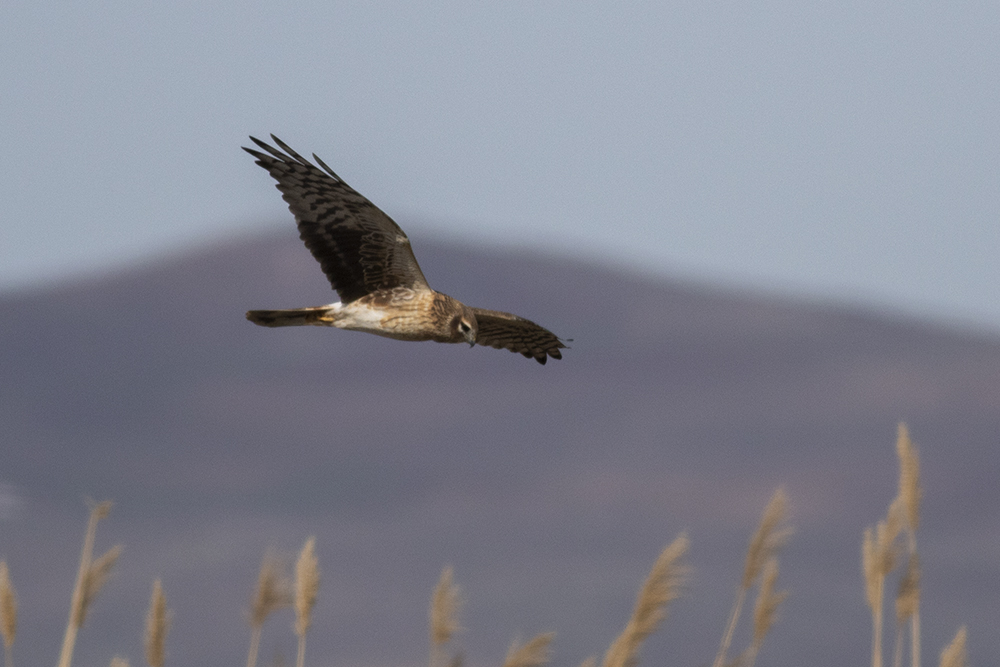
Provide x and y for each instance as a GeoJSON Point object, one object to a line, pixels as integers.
{"type": "Point", "coordinates": [289, 151]}
{"type": "Point", "coordinates": [289, 155]}
{"type": "Point", "coordinates": [502, 330]}
{"type": "Point", "coordinates": [261, 144]}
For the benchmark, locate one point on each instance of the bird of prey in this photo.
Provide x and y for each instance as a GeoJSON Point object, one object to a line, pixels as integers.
{"type": "Point", "coordinates": [368, 260]}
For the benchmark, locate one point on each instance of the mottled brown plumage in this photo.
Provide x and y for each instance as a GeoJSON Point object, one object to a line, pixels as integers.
{"type": "Point", "coordinates": [368, 261]}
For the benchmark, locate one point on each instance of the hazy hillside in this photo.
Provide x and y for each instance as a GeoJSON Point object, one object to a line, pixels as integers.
{"type": "Point", "coordinates": [550, 489]}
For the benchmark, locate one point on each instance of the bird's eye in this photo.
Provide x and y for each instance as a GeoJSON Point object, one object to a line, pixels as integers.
{"type": "Point", "coordinates": [464, 327]}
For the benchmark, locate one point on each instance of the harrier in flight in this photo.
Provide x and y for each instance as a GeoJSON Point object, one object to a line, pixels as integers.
{"type": "Point", "coordinates": [368, 260]}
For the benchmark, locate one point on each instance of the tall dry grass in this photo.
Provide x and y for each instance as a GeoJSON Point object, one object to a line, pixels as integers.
{"type": "Point", "coordinates": [157, 626]}
{"type": "Point", "coordinates": [662, 586]}
{"type": "Point", "coordinates": [772, 533]}
{"type": "Point", "coordinates": [909, 494]}
{"type": "Point", "coordinates": [445, 605]}
{"type": "Point", "coordinates": [8, 614]}
{"type": "Point", "coordinates": [954, 654]}
{"type": "Point", "coordinates": [533, 653]}
{"type": "Point", "coordinates": [306, 590]}
{"type": "Point", "coordinates": [273, 592]}
{"type": "Point", "coordinates": [90, 578]}
{"type": "Point", "coordinates": [887, 547]}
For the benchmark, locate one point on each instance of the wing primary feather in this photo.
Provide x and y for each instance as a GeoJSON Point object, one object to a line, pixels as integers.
{"type": "Point", "coordinates": [257, 154]}
{"type": "Point", "coordinates": [326, 168]}
{"type": "Point", "coordinates": [290, 151]}
{"type": "Point", "coordinates": [270, 149]}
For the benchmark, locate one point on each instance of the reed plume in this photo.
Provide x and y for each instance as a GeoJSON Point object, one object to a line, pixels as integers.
{"type": "Point", "coordinates": [89, 580]}
{"type": "Point", "coordinates": [535, 653]}
{"type": "Point", "coordinates": [907, 602]}
{"type": "Point", "coordinates": [765, 610]}
{"type": "Point", "coordinates": [157, 626]}
{"type": "Point", "coordinates": [306, 589]}
{"type": "Point", "coordinates": [661, 587]}
{"type": "Point", "coordinates": [767, 540]}
{"type": "Point", "coordinates": [273, 592]}
{"type": "Point", "coordinates": [8, 613]}
{"type": "Point", "coordinates": [909, 495]}
{"type": "Point", "coordinates": [910, 492]}
{"type": "Point", "coordinates": [445, 605]}
{"type": "Point", "coordinates": [954, 654]}
{"type": "Point", "coordinates": [879, 553]}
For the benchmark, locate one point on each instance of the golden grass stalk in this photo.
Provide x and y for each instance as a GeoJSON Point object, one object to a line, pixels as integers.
{"type": "Point", "coordinates": [534, 653]}
{"type": "Point", "coordinates": [908, 596]}
{"type": "Point", "coordinates": [907, 603]}
{"type": "Point", "coordinates": [90, 578]}
{"type": "Point", "coordinates": [661, 587]}
{"type": "Point", "coordinates": [157, 626]}
{"type": "Point", "coordinates": [445, 605]}
{"type": "Point", "coordinates": [97, 576]}
{"type": "Point", "coordinates": [273, 592]}
{"type": "Point", "coordinates": [772, 533]}
{"type": "Point", "coordinates": [954, 654]}
{"type": "Point", "coordinates": [306, 589]}
{"type": "Point", "coordinates": [910, 494]}
{"type": "Point", "coordinates": [770, 536]}
{"type": "Point", "coordinates": [879, 555]}
{"type": "Point", "coordinates": [765, 611]}
{"type": "Point", "coordinates": [8, 613]}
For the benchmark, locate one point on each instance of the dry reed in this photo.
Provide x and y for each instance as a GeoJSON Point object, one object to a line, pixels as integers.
{"type": "Point", "coordinates": [765, 610]}
{"type": "Point", "coordinates": [8, 613]}
{"type": "Point", "coordinates": [882, 549]}
{"type": "Point", "coordinates": [907, 603]}
{"type": "Point", "coordinates": [909, 495]}
{"type": "Point", "coordinates": [90, 579]}
{"type": "Point", "coordinates": [954, 654]}
{"type": "Point", "coordinates": [910, 492]}
{"type": "Point", "coordinates": [661, 587]}
{"type": "Point", "coordinates": [306, 589]}
{"type": "Point", "coordinates": [534, 653]}
{"type": "Point", "coordinates": [273, 592]}
{"type": "Point", "coordinates": [879, 554]}
{"type": "Point", "coordinates": [445, 605]}
{"type": "Point", "coordinates": [157, 626]}
{"type": "Point", "coordinates": [772, 533]}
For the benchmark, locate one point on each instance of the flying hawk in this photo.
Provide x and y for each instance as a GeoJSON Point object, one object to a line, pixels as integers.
{"type": "Point", "coordinates": [368, 260]}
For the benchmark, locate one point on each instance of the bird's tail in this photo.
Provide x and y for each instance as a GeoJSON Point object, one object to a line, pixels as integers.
{"type": "Point", "coordinates": [296, 317]}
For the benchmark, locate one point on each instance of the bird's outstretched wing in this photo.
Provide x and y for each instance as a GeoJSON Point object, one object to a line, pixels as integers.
{"type": "Point", "coordinates": [506, 331]}
{"type": "Point", "coordinates": [360, 248]}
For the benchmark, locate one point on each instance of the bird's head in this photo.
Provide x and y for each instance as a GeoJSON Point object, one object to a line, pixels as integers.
{"type": "Point", "coordinates": [465, 327]}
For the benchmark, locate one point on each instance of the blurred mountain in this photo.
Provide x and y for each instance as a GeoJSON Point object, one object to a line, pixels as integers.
{"type": "Point", "coordinates": [550, 489]}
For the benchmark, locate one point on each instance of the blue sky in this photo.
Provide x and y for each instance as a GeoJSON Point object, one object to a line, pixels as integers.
{"type": "Point", "coordinates": [845, 150]}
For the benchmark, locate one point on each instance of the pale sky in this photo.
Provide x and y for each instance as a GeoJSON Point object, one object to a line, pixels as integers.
{"type": "Point", "coordinates": [846, 150]}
